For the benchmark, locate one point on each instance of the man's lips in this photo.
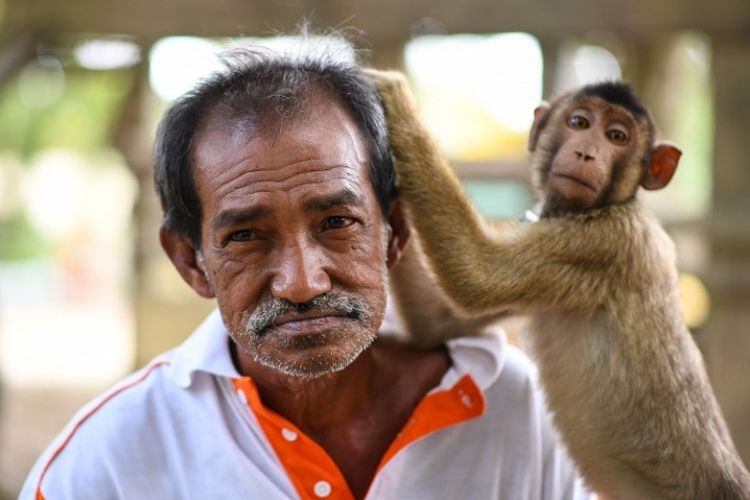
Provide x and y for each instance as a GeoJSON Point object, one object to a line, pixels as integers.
{"type": "Point", "coordinates": [308, 322]}
{"type": "Point", "coordinates": [309, 315]}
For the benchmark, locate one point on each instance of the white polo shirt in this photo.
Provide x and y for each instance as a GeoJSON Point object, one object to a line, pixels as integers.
{"type": "Point", "coordinates": [189, 426]}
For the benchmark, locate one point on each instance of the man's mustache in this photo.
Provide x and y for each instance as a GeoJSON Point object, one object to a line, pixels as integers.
{"type": "Point", "coordinates": [335, 303]}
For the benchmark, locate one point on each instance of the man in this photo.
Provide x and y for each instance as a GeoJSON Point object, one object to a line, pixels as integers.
{"type": "Point", "coordinates": [279, 202]}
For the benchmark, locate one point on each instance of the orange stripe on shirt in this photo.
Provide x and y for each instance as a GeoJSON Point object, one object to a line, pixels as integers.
{"type": "Point", "coordinates": [106, 398]}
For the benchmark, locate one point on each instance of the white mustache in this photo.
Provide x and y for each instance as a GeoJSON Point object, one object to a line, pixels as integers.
{"type": "Point", "coordinates": [263, 317]}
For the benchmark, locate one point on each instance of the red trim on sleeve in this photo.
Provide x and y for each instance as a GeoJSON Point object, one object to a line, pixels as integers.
{"type": "Point", "coordinates": [106, 398]}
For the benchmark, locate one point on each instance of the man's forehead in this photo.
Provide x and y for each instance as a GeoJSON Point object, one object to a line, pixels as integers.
{"type": "Point", "coordinates": [326, 132]}
{"type": "Point", "coordinates": [263, 206]}
{"type": "Point", "coordinates": [323, 154]}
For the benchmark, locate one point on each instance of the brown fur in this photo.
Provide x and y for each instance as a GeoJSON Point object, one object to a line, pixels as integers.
{"type": "Point", "coordinates": [428, 317]}
{"type": "Point", "coordinates": [623, 377]}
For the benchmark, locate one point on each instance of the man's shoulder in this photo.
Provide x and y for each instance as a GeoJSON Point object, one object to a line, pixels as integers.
{"type": "Point", "coordinates": [116, 426]}
{"type": "Point", "coordinates": [127, 403]}
{"type": "Point", "coordinates": [495, 363]}
{"type": "Point", "coordinates": [507, 377]}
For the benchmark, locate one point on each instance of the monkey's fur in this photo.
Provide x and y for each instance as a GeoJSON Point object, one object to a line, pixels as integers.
{"type": "Point", "coordinates": [623, 377]}
{"type": "Point", "coordinates": [423, 307]}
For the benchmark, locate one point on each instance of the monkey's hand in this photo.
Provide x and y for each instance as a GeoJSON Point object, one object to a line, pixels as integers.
{"type": "Point", "coordinates": [401, 112]}
{"type": "Point", "coordinates": [424, 174]}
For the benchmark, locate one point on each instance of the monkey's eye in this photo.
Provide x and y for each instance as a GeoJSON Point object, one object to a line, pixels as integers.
{"type": "Point", "coordinates": [578, 122]}
{"type": "Point", "coordinates": [617, 136]}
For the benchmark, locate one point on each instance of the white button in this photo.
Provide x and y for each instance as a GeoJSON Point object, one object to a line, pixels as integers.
{"type": "Point", "coordinates": [242, 395]}
{"type": "Point", "coordinates": [322, 489]}
{"type": "Point", "coordinates": [466, 400]}
{"type": "Point", "coordinates": [289, 434]}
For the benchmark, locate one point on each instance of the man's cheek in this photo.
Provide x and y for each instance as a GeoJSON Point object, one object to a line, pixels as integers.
{"type": "Point", "coordinates": [231, 272]}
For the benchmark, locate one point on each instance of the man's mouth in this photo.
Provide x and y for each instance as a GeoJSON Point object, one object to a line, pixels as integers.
{"type": "Point", "coordinates": [295, 317]}
{"type": "Point", "coordinates": [321, 314]}
{"type": "Point", "coordinates": [310, 323]}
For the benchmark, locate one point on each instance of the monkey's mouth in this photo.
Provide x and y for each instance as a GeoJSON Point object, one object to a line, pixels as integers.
{"type": "Point", "coordinates": [576, 180]}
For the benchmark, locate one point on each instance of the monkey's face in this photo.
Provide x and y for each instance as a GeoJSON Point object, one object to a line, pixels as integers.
{"type": "Point", "coordinates": [597, 140]}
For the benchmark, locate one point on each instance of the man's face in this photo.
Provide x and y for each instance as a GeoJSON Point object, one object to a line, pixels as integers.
{"type": "Point", "coordinates": [293, 241]}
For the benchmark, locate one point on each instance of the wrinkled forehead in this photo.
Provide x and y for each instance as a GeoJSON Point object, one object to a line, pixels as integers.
{"type": "Point", "coordinates": [231, 155]}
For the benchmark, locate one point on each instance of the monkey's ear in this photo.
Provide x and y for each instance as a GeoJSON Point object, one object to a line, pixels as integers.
{"type": "Point", "coordinates": [398, 233]}
{"type": "Point", "coordinates": [184, 256]}
{"type": "Point", "coordinates": [664, 160]}
{"type": "Point", "coordinates": [541, 113]}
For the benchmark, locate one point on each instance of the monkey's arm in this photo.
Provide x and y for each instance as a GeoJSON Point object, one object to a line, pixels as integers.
{"type": "Point", "coordinates": [428, 318]}
{"type": "Point", "coordinates": [479, 271]}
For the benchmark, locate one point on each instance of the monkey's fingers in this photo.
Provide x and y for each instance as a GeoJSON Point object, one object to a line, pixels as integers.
{"type": "Point", "coordinates": [386, 81]}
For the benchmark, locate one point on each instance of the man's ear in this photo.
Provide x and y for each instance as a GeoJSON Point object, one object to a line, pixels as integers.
{"type": "Point", "coordinates": [184, 256]}
{"type": "Point", "coordinates": [399, 233]}
{"type": "Point", "coordinates": [541, 113]}
{"type": "Point", "coordinates": [664, 160]}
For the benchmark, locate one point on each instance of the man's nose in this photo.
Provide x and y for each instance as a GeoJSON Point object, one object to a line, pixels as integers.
{"type": "Point", "coordinates": [300, 274]}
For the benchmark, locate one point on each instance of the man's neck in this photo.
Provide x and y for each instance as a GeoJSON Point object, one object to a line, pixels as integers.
{"type": "Point", "coordinates": [345, 394]}
{"type": "Point", "coordinates": [314, 404]}
{"type": "Point", "coordinates": [356, 413]}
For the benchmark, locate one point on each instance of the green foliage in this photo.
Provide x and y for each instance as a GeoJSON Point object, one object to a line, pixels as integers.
{"type": "Point", "coordinates": [20, 241]}
{"type": "Point", "coordinates": [82, 119]}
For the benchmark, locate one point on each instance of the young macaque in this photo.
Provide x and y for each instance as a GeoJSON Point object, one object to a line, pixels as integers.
{"type": "Point", "coordinates": [624, 380]}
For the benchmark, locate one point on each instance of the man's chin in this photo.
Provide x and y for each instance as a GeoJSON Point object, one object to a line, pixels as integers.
{"type": "Point", "coordinates": [309, 356]}
{"type": "Point", "coordinates": [305, 369]}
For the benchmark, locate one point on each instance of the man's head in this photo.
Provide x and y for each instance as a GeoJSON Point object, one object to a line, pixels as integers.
{"type": "Point", "coordinates": [277, 189]}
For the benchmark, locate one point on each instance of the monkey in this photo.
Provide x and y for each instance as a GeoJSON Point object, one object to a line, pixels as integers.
{"type": "Point", "coordinates": [624, 381]}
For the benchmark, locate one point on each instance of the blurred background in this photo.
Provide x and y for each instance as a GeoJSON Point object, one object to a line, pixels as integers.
{"type": "Point", "coordinates": [86, 295]}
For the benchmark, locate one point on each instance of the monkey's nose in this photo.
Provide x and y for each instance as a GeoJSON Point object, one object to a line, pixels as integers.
{"type": "Point", "coordinates": [583, 156]}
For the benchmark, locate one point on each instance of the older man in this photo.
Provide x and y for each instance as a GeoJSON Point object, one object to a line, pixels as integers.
{"type": "Point", "coordinates": [279, 202]}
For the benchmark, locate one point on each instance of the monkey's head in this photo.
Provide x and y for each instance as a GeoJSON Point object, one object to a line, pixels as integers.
{"type": "Point", "coordinates": [595, 147]}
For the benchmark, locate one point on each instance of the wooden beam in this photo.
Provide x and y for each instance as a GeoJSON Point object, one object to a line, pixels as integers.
{"type": "Point", "coordinates": [381, 21]}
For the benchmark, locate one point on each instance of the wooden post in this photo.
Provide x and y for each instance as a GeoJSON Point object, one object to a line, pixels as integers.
{"type": "Point", "coordinates": [728, 333]}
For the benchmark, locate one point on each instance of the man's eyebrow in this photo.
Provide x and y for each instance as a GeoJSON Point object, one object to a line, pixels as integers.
{"type": "Point", "coordinates": [343, 197]}
{"type": "Point", "coordinates": [228, 218]}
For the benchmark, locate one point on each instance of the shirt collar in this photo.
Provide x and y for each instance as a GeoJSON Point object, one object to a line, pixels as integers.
{"type": "Point", "coordinates": [482, 357]}
{"type": "Point", "coordinates": [207, 350]}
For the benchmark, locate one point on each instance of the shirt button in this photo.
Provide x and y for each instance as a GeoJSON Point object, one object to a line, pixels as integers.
{"type": "Point", "coordinates": [289, 434]}
{"type": "Point", "coordinates": [242, 395]}
{"type": "Point", "coordinates": [322, 489]}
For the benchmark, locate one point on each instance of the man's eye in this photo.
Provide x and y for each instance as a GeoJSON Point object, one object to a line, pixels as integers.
{"type": "Point", "coordinates": [243, 235]}
{"type": "Point", "coordinates": [337, 222]}
{"type": "Point", "coordinates": [578, 122]}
